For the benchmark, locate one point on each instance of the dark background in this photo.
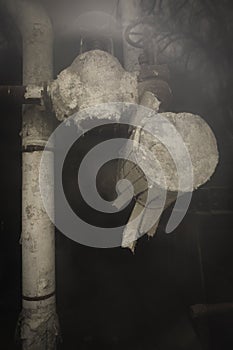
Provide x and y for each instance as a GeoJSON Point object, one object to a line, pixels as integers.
{"type": "Point", "coordinates": [112, 299]}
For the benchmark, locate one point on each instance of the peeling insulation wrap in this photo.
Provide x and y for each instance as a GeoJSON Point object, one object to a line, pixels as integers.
{"type": "Point", "coordinates": [187, 149]}
{"type": "Point", "coordinates": [97, 81]}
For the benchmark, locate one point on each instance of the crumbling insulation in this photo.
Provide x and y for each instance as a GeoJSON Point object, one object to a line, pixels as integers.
{"type": "Point", "coordinates": [82, 85]}
{"type": "Point", "coordinates": [94, 77]}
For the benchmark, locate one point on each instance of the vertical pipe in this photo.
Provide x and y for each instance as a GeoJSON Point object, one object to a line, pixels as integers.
{"type": "Point", "coordinates": [38, 318]}
{"type": "Point", "coordinates": [129, 12]}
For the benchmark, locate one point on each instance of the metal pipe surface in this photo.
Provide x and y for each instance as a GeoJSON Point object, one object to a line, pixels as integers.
{"type": "Point", "coordinates": [38, 322]}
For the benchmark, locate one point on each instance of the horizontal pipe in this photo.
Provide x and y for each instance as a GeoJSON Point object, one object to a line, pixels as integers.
{"type": "Point", "coordinates": [17, 94]}
{"type": "Point", "coordinates": [205, 310]}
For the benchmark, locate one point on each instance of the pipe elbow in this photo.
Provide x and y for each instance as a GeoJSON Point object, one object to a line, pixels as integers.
{"type": "Point", "coordinates": [36, 30]}
{"type": "Point", "coordinates": [28, 15]}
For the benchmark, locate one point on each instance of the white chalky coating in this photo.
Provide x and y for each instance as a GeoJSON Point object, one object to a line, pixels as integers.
{"type": "Point", "coordinates": [94, 77]}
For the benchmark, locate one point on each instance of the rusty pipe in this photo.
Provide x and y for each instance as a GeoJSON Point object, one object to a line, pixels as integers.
{"type": "Point", "coordinates": [205, 310]}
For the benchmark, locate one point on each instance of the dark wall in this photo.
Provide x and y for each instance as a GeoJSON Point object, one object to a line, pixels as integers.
{"type": "Point", "coordinates": [10, 215]}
